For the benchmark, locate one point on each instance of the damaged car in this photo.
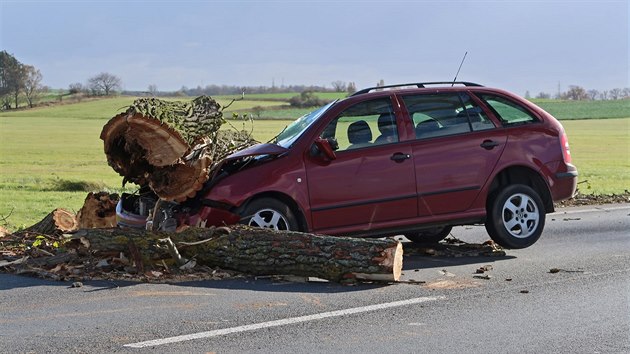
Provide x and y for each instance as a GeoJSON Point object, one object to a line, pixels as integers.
{"type": "Point", "coordinates": [411, 159]}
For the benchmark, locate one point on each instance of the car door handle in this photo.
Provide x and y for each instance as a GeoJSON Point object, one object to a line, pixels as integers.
{"type": "Point", "coordinates": [489, 144]}
{"type": "Point", "coordinates": [400, 157]}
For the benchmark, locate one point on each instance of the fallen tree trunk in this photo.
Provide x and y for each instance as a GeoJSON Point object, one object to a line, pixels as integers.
{"type": "Point", "coordinates": [57, 222]}
{"type": "Point", "coordinates": [169, 146]}
{"type": "Point", "coordinates": [261, 251]}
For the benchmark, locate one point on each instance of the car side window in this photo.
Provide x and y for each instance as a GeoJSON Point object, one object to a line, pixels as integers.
{"type": "Point", "coordinates": [507, 111]}
{"type": "Point", "coordinates": [364, 124]}
{"type": "Point", "coordinates": [437, 114]}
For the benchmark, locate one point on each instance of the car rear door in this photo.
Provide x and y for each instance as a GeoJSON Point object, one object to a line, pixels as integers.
{"type": "Point", "coordinates": [372, 179]}
{"type": "Point", "coordinates": [456, 149]}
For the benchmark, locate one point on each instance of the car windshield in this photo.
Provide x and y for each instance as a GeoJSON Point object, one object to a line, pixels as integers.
{"type": "Point", "coordinates": [293, 131]}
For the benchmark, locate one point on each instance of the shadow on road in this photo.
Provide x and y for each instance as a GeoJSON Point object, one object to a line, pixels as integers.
{"type": "Point", "coordinates": [442, 255]}
{"type": "Point", "coordinates": [268, 284]}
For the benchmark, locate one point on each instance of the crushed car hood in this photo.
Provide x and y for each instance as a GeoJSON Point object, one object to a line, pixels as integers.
{"type": "Point", "coordinates": [258, 149]}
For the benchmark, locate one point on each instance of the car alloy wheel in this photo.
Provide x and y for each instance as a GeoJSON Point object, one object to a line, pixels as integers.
{"type": "Point", "coordinates": [520, 215]}
{"type": "Point", "coordinates": [516, 216]}
{"type": "Point", "coordinates": [269, 213]}
{"type": "Point", "coordinates": [270, 219]}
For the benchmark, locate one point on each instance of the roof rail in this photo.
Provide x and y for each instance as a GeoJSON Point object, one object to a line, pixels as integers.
{"type": "Point", "coordinates": [417, 84]}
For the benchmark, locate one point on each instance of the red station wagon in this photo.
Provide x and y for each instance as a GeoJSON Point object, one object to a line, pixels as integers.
{"type": "Point", "coordinates": [412, 159]}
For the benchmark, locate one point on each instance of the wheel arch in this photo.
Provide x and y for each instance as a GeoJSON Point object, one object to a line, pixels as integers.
{"type": "Point", "coordinates": [287, 200]}
{"type": "Point", "coordinates": [522, 175]}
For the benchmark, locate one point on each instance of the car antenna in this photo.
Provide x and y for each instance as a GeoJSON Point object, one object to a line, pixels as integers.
{"type": "Point", "coordinates": [458, 69]}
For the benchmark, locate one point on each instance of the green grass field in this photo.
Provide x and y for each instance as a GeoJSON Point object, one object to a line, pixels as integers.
{"type": "Point", "coordinates": [600, 148]}
{"type": "Point", "coordinates": [585, 109]}
{"type": "Point", "coordinates": [51, 157]}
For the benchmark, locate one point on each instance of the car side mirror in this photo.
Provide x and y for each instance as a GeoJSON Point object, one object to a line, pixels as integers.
{"type": "Point", "coordinates": [327, 147]}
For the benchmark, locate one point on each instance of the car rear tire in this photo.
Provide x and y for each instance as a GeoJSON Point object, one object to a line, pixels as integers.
{"type": "Point", "coordinates": [269, 213]}
{"type": "Point", "coordinates": [434, 235]}
{"type": "Point", "coordinates": [516, 217]}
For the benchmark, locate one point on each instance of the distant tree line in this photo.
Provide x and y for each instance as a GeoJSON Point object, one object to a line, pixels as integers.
{"type": "Point", "coordinates": [103, 84]}
{"type": "Point", "coordinates": [342, 86]}
{"type": "Point", "coordinates": [223, 90]}
{"type": "Point", "coordinates": [578, 93]}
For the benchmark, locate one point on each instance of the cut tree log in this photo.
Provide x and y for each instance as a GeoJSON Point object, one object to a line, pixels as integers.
{"type": "Point", "coordinates": [183, 180]}
{"type": "Point", "coordinates": [168, 145]}
{"type": "Point", "coordinates": [261, 251]}
{"type": "Point", "coordinates": [98, 211]}
{"type": "Point", "coordinates": [58, 221]}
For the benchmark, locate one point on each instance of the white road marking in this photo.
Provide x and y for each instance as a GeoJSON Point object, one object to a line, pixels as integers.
{"type": "Point", "coordinates": [283, 322]}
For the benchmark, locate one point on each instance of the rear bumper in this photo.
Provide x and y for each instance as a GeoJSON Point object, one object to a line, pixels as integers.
{"type": "Point", "coordinates": [564, 184]}
{"type": "Point", "coordinates": [562, 175]}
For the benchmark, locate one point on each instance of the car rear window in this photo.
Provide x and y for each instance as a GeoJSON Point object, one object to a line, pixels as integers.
{"type": "Point", "coordinates": [442, 114]}
{"type": "Point", "coordinates": [510, 113]}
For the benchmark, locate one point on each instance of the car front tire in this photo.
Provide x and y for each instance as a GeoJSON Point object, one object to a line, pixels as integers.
{"type": "Point", "coordinates": [516, 217]}
{"type": "Point", "coordinates": [269, 213]}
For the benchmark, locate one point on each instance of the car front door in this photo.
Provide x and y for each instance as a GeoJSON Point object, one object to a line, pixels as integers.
{"type": "Point", "coordinates": [371, 181]}
{"type": "Point", "coordinates": [456, 149]}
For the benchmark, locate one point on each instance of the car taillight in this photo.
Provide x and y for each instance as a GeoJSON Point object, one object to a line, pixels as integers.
{"type": "Point", "coordinates": [566, 152]}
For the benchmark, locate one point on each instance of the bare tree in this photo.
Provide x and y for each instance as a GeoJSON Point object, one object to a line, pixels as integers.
{"type": "Point", "coordinates": [104, 83]}
{"type": "Point", "coordinates": [352, 88]}
{"type": "Point", "coordinates": [32, 84]}
{"type": "Point", "coordinates": [593, 94]}
{"type": "Point", "coordinates": [339, 86]}
{"type": "Point", "coordinates": [153, 89]}
{"type": "Point", "coordinates": [626, 92]}
{"type": "Point", "coordinates": [543, 95]}
{"type": "Point", "coordinates": [576, 93]}
{"type": "Point", "coordinates": [604, 95]}
{"type": "Point", "coordinates": [615, 93]}
{"type": "Point", "coordinates": [77, 87]}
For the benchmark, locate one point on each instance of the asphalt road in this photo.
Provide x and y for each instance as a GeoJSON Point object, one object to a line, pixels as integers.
{"type": "Point", "coordinates": [522, 308]}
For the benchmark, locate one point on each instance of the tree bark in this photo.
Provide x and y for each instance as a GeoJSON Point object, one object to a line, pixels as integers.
{"type": "Point", "coordinates": [261, 251]}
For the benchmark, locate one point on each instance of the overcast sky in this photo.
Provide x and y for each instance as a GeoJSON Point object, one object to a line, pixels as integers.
{"type": "Point", "coordinates": [516, 45]}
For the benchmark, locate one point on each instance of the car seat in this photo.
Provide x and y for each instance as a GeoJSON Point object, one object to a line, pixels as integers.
{"type": "Point", "coordinates": [387, 127]}
{"type": "Point", "coordinates": [427, 128]}
{"type": "Point", "coordinates": [359, 134]}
